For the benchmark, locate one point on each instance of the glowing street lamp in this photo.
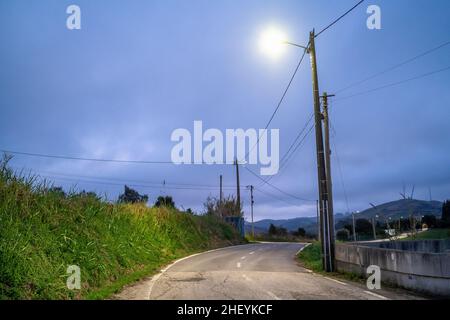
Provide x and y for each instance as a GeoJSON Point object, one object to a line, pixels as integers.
{"type": "Point", "coordinates": [272, 42]}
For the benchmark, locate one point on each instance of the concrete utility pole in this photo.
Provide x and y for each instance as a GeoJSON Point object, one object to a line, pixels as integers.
{"type": "Point", "coordinates": [325, 235]}
{"type": "Point", "coordinates": [326, 123]}
{"type": "Point", "coordinates": [354, 228]}
{"type": "Point", "coordinates": [238, 190]}
{"type": "Point", "coordinates": [251, 204]}
{"type": "Point", "coordinates": [221, 193]}
{"type": "Point", "coordinates": [374, 229]}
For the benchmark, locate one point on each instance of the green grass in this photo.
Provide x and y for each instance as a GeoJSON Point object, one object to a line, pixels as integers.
{"type": "Point", "coordinates": [43, 232]}
{"type": "Point", "coordinates": [431, 234]}
{"type": "Point", "coordinates": [311, 258]}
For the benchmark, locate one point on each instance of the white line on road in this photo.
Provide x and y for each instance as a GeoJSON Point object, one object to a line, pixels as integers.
{"type": "Point", "coordinates": [238, 265]}
{"type": "Point", "coordinates": [301, 249]}
{"type": "Point", "coordinates": [273, 295]}
{"type": "Point", "coordinates": [252, 252]}
{"type": "Point", "coordinates": [242, 258]}
{"type": "Point", "coordinates": [155, 278]}
{"type": "Point", "coordinates": [376, 295]}
{"type": "Point", "coordinates": [343, 283]}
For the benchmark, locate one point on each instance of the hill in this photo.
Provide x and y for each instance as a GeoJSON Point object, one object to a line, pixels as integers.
{"type": "Point", "coordinates": [393, 210]}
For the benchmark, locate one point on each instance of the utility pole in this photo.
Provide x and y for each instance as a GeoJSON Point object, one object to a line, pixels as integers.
{"type": "Point", "coordinates": [354, 228]}
{"type": "Point", "coordinates": [238, 190]}
{"type": "Point", "coordinates": [325, 238]}
{"type": "Point", "coordinates": [221, 193]}
{"type": "Point", "coordinates": [318, 220]}
{"type": "Point", "coordinates": [251, 203]}
{"type": "Point", "coordinates": [326, 124]}
{"type": "Point", "coordinates": [374, 229]}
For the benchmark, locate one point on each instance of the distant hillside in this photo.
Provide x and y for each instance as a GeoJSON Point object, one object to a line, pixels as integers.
{"type": "Point", "coordinates": [404, 207]}
{"type": "Point", "coordinates": [393, 209]}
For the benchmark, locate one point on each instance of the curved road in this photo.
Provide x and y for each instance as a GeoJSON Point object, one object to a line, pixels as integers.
{"type": "Point", "coordinates": [253, 271]}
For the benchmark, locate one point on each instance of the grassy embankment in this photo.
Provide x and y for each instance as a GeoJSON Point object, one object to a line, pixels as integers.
{"type": "Point", "coordinates": [43, 232]}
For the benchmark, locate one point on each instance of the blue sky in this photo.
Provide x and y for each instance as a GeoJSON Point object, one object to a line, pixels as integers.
{"type": "Point", "coordinates": [137, 70]}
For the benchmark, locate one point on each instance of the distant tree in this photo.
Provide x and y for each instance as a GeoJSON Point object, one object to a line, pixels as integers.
{"type": "Point", "coordinates": [57, 191]}
{"type": "Point", "coordinates": [429, 220]}
{"type": "Point", "coordinates": [189, 211]}
{"type": "Point", "coordinates": [272, 230]}
{"type": "Point", "coordinates": [165, 201]}
{"type": "Point", "coordinates": [363, 226]}
{"type": "Point", "coordinates": [301, 232]}
{"type": "Point", "coordinates": [227, 208]}
{"type": "Point", "coordinates": [343, 235]}
{"type": "Point", "coordinates": [446, 212]}
{"type": "Point", "coordinates": [132, 196]}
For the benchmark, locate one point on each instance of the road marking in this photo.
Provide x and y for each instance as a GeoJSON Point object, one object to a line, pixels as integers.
{"type": "Point", "coordinates": [243, 258]}
{"type": "Point", "coordinates": [155, 278]}
{"type": "Point", "coordinates": [246, 278]}
{"type": "Point", "coordinates": [301, 249]}
{"type": "Point", "coordinates": [343, 283]}
{"type": "Point", "coordinates": [252, 252]}
{"type": "Point", "coordinates": [376, 295]}
{"type": "Point", "coordinates": [273, 295]}
{"type": "Point", "coordinates": [238, 265]}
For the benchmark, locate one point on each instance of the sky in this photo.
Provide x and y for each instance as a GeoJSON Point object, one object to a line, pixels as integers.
{"type": "Point", "coordinates": [137, 70]}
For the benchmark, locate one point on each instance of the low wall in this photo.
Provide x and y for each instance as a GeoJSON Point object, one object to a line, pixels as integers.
{"type": "Point", "coordinates": [417, 270]}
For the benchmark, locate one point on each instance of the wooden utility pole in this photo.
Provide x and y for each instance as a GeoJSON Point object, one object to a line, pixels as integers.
{"type": "Point", "coordinates": [325, 235]}
{"type": "Point", "coordinates": [238, 188]}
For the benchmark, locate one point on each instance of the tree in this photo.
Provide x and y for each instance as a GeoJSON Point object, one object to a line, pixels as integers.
{"type": "Point", "coordinates": [301, 232]}
{"type": "Point", "coordinates": [227, 208]}
{"type": "Point", "coordinates": [165, 201]}
{"type": "Point", "coordinates": [363, 226]}
{"type": "Point", "coordinates": [446, 212]}
{"type": "Point", "coordinates": [272, 230]}
{"type": "Point", "coordinates": [343, 235]}
{"type": "Point", "coordinates": [132, 196]}
{"type": "Point", "coordinates": [429, 220]}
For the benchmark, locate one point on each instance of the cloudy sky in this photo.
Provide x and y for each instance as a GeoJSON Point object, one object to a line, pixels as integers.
{"type": "Point", "coordinates": [137, 70]}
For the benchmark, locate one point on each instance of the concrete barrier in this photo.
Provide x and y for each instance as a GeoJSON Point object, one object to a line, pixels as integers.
{"type": "Point", "coordinates": [423, 265]}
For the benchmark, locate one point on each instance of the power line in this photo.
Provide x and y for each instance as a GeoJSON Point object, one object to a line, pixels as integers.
{"type": "Point", "coordinates": [287, 157]}
{"type": "Point", "coordinates": [279, 102]}
{"type": "Point", "coordinates": [145, 186]}
{"type": "Point", "coordinates": [394, 67]}
{"type": "Point", "coordinates": [342, 16]}
{"type": "Point", "coordinates": [40, 155]}
{"type": "Point", "coordinates": [124, 181]}
{"type": "Point", "coordinates": [340, 169]}
{"type": "Point", "coordinates": [276, 198]}
{"type": "Point", "coordinates": [275, 187]}
{"type": "Point", "coordinates": [394, 84]}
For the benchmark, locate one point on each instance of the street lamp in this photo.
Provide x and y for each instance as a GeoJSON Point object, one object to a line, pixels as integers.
{"type": "Point", "coordinates": [271, 42]}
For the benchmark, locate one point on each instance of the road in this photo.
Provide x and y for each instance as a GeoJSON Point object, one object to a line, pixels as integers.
{"type": "Point", "coordinates": [255, 271]}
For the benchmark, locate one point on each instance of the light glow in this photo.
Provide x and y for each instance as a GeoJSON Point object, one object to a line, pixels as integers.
{"type": "Point", "coordinates": [272, 42]}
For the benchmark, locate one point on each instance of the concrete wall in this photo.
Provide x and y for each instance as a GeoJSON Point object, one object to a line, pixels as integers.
{"type": "Point", "coordinates": [420, 271]}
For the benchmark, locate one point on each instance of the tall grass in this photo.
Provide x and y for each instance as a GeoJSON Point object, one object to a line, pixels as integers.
{"type": "Point", "coordinates": [42, 232]}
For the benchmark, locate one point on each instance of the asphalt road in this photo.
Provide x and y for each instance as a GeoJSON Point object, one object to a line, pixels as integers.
{"type": "Point", "coordinates": [254, 271]}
